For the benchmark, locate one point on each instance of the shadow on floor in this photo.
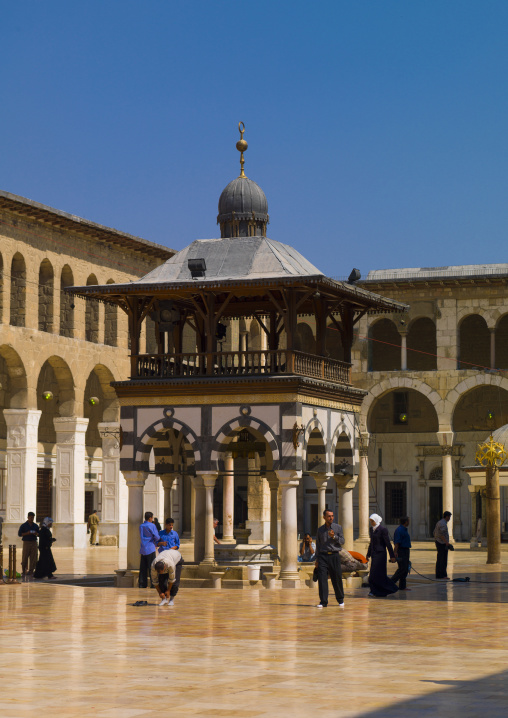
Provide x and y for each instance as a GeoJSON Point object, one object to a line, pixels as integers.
{"type": "Point", "coordinates": [467, 699]}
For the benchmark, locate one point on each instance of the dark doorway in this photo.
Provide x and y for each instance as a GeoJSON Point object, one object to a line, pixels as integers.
{"type": "Point", "coordinates": [89, 503]}
{"type": "Point", "coordinates": [435, 506]}
{"type": "Point", "coordinates": [44, 499]}
{"type": "Point", "coordinates": [395, 501]}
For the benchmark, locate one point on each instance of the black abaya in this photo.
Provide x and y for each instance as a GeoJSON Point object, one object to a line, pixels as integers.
{"type": "Point", "coordinates": [46, 564]}
{"type": "Point", "coordinates": [380, 584]}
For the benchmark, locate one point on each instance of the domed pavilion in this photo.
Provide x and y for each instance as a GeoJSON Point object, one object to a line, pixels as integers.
{"type": "Point", "coordinates": [200, 400]}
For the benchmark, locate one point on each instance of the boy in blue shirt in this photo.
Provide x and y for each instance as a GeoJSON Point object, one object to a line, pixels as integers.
{"type": "Point", "coordinates": [168, 538]}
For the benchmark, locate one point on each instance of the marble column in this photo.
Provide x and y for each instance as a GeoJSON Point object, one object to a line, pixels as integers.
{"type": "Point", "coordinates": [199, 518]}
{"type": "Point", "coordinates": [345, 485]}
{"type": "Point", "coordinates": [21, 491]}
{"type": "Point", "coordinates": [110, 512]}
{"type": "Point", "coordinates": [446, 441]}
{"type": "Point", "coordinates": [273, 483]}
{"type": "Point", "coordinates": [492, 348]}
{"type": "Point", "coordinates": [70, 526]}
{"type": "Point", "coordinates": [403, 351]}
{"type": "Point", "coordinates": [209, 480]}
{"type": "Point", "coordinates": [289, 481]}
{"type": "Point", "coordinates": [167, 482]}
{"type": "Point", "coordinates": [457, 488]}
{"type": "Point", "coordinates": [228, 499]}
{"type": "Point", "coordinates": [321, 480]}
{"type": "Point", "coordinates": [363, 489]}
{"type": "Point", "coordinates": [135, 481]}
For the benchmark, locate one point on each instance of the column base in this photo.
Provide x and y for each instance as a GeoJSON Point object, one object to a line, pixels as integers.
{"type": "Point", "coordinates": [208, 562]}
{"type": "Point", "coordinates": [228, 539]}
{"type": "Point", "coordinates": [290, 582]}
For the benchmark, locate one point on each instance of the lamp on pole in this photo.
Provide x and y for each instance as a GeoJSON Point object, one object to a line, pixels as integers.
{"type": "Point", "coordinates": [492, 455]}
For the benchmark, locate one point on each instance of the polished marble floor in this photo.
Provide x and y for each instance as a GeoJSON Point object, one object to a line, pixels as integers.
{"type": "Point", "coordinates": [440, 649]}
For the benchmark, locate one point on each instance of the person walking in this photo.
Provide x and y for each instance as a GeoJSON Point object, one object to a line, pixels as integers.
{"type": "Point", "coordinates": [165, 573]}
{"type": "Point", "coordinates": [442, 541]}
{"type": "Point", "coordinates": [148, 546]}
{"type": "Point", "coordinates": [93, 525]}
{"type": "Point", "coordinates": [402, 550]}
{"type": "Point", "coordinates": [46, 565]}
{"type": "Point", "coordinates": [380, 584]}
{"type": "Point", "coordinates": [329, 539]}
{"type": "Point", "coordinates": [29, 532]}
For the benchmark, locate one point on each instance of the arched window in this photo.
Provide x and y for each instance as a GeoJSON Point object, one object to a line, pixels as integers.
{"type": "Point", "coordinates": [1, 288]}
{"type": "Point", "coordinates": [46, 281]}
{"type": "Point", "coordinates": [384, 346]}
{"type": "Point", "coordinates": [474, 345]}
{"type": "Point", "coordinates": [111, 322]}
{"type": "Point", "coordinates": [92, 315]}
{"type": "Point", "coordinates": [66, 303]}
{"type": "Point", "coordinates": [421, 345]}
{"type": "Point", "coordinates": [18, 291]}
{"type": "Point", "coordinates": [501, 358]}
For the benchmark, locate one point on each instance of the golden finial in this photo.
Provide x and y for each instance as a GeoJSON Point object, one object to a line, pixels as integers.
{"type": "Point", "coordinates": [241, 146]}
{"type": "Point", "coordinates": [491, 453]}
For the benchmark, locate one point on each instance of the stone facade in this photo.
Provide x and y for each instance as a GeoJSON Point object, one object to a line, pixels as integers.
{"type": "Point", "coordinates": [438, 383]}
{"type": "Point", "coordinates": [58, 356]}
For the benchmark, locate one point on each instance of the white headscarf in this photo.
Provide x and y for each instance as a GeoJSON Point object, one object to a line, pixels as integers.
{"type": "Point", "coordinates": [47, 522]}
{"type": "Point", "coordinates": [377, 520]}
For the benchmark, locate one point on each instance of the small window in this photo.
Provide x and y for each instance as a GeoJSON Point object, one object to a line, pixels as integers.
{"type": "Point", "coordinates": [395, 501]}
{"type": "Point", "coordinates": [400, 408]}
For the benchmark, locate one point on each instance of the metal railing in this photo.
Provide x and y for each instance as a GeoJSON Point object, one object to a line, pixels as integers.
{"type": "Point", "coordinates": [249, 363]}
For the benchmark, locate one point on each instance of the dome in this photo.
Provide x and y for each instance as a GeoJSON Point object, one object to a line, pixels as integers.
{"type": "Point", "coordinates": [500, 436]}
{"type": "Point", "coordinates": [243, 197]}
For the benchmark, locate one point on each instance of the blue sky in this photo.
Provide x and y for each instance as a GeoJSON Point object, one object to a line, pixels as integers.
{"type": "Point", "coordinates": [378, 130]}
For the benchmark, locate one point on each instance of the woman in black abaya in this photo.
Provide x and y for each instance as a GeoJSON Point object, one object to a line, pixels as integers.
{"type": "Point", "coordinates": [46, 563]}
{"type": "Point", "coordinates": [380, 584]}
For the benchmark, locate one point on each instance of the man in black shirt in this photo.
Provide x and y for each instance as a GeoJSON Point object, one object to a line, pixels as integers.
{"type": "Point", "coordinates": [329, 539]}
{"type": "Point", "coordinates": [29, 532]}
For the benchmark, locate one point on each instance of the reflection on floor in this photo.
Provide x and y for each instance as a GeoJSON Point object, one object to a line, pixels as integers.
{"type": "Point", "coordinates": [439, 649]}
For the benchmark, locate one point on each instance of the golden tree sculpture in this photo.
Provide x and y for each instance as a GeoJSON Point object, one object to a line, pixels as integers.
{"type": "Point", "coordinates": [491, 453]}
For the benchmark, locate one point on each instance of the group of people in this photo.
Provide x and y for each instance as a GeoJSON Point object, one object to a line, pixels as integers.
{"type": "Point", "coordinates": [43, 565]}
{"type": "Point", "coordinates": [330, 538]}
{"type": "Point", "coordinates": [160, 558]}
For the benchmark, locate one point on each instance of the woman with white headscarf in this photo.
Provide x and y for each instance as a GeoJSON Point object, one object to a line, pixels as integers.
{"type": "Point", "coordinates": [46, 565]}
{"type": "Point", "coordinates": [380, 584]}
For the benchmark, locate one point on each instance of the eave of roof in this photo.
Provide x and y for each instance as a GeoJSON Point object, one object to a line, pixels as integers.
{"type": "Point", "coordinates": [64, 220]}
{"type": "Point", "coordinates": [354, 293]}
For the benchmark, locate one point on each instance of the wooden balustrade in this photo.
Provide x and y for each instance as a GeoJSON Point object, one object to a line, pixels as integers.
{"type": "Point", "coordinates": [260, 362]}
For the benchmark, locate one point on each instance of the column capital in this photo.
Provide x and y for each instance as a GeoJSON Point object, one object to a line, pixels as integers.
{"type": "Point", "coordinates": [22, 425]}
{"type": "Point", "coordinates": [445, 437]}
{"type": "Point", "coordinates": [168, 479]}
{"type": "Point", "coordinates": [69, 425]}
{"type": "Point", "coordinates": [288, 478]}
{"type": "Point", "coordinates": [208, 477]}
{"type": "Point", "coordinates": [197, 482]}
{"type": "Point", "coordinates": [135, 478]}
{"type": "Point", "coordinates": [320, 477]}
{"type": "Point", "coordinates": [346, 482]}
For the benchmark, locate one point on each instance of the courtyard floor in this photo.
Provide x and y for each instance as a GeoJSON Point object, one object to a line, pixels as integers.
{"type": "Point", "coordinates": [441, 649]}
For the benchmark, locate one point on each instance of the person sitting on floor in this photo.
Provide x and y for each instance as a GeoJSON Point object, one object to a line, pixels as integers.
{"type": "Point", "coordinates": [307, 550]}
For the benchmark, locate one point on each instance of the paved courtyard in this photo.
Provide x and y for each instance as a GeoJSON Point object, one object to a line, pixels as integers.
{"type": "Point", "coordinates": [439, 650]}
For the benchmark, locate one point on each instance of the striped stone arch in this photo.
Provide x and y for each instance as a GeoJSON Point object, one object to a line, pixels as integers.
{"type": "Point", "coordinates": [225, 435]}
{"type": "Point", "coordinates": [399, 383]}
{"type": "Point", "coordinates": [149, 439]}
{"type": "Point", "coordinates": [313, 424]}
{"type": "Point", "coordinates": [342, 429]}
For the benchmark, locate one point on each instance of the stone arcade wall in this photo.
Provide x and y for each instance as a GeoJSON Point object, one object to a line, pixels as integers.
{"type": "Point", "coordinates": [44, 347]}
